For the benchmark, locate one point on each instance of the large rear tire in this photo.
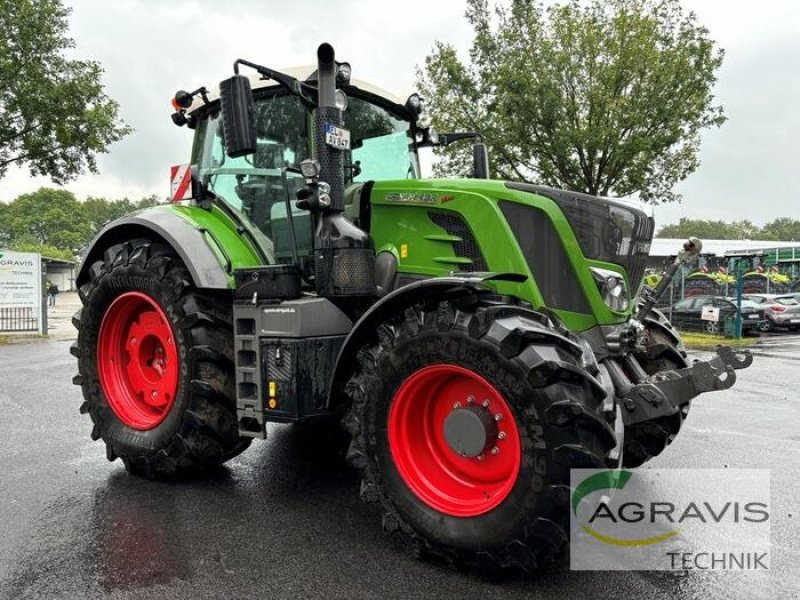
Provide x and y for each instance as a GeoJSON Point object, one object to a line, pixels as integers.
{"type": "Point", "coordinates": [155, 363]}
{"type": "Point", "coordinates": [663, 350]}
{"type": "Point", "coordinates": [503, 502]}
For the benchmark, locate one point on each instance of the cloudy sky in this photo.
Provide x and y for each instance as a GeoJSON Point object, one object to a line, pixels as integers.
{"type": "Point", "coordinates": [151, 48]}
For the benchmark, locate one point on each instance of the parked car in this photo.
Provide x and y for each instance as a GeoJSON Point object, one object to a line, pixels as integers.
{"type": "Point", "coordinates": [687, 314]}
{"type": "Point", "coordinates": [780, 310]}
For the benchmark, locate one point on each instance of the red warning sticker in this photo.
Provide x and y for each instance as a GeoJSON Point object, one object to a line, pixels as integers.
{"type": "Point", "coordinates": [180, 177]}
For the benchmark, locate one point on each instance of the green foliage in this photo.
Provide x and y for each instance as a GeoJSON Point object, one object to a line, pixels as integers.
{"type": "Point", "coordinates": [54, 114]}
{"type": "Point", "coordinates": [44, 250]}
{"type": "Point", "coordinates": [49, 217]}
{"type": "Point", "coordinates": [601, 96]}
{"type": "Point", "coordinates": [783, 229]}
{"type": "Point", "coordinates": [54, 223]}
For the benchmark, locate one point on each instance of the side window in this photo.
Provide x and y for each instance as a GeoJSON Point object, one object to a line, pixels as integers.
{"type": "Point", "coordinates": [684, 304]}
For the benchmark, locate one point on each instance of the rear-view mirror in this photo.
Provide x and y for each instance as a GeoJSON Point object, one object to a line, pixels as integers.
{"type": "Point", "coordinates": [238, 116]}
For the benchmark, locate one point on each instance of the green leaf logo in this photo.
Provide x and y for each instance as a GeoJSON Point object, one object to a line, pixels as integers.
{"type": "Point", "coordinates": [611, 480]}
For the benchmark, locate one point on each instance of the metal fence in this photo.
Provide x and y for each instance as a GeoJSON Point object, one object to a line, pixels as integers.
{"type": "Point", "coordinates": [18, 319]}
{"type": "Point", "coordinates": [685, 286]}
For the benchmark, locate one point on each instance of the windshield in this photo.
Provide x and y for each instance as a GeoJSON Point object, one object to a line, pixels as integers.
{"type": "Point", "coordinates": [382, 148]}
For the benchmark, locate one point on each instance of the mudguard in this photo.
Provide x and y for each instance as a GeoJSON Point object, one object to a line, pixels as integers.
{"type": "Point", "coordinates": [455, 286]}
{"type": "Point", "coordinates": [191, 244]}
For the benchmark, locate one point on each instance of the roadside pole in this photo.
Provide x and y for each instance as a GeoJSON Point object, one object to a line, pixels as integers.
{"type": "Point", "coordinates": [43, 329]}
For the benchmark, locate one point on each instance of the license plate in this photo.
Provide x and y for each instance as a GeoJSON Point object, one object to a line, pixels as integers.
{"type": "Point", "coordinates": [337, 137]}
{"type": "Point", "coordinates": [794, 321]}
{"type": "Point", "coordinates": [752, 316]}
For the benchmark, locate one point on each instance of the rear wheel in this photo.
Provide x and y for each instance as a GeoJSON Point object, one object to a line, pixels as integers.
{"type": "Point", "coordinates": [465, 422]}
{"type": "Point", "coordinates": [663, 350]}
{"type": "Point", "coordinates": [155, 363]}
{"type": "Point", "coordinates": [766, 326]}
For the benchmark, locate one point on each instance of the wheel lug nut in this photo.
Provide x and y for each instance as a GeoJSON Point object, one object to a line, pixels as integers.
{"type": "Point", "coordinates": [485, 404]}
{"type": "Point", "coordinates": [501, 435]}
{"type": "Point", "coordinates": [457, 405]}
{"type": "Point", "coordinates": [155, 394]}
{"type": "Point", "coordinates": [498, 417]}
{"type": "Point", "coordinates": [470, 399]}
{"type": "Point", "coordinates": [495, 451]}
{"type": "Point", "coordinates": [481, 457]}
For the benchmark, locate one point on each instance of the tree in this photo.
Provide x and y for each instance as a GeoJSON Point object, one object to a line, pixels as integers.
{"type": "Point", "coordinates": [97, 212]}
{"type": "Point", "coordinates": [54, 114]}
{"type": "Point", "coordinates": [53, 223]}
{"type": "Point", "coordinates": [603, 96]}
{"type": "Point", "coordinates": [49, 217]}
{"type": "Point", "coordinates": [784, 229]}
{"type": "Point", "coordinates": [712, 230]}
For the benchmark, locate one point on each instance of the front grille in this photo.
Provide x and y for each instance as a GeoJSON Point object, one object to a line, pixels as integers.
{"type": "Point", "coordinates": [468, 247]}
{"type": "Point", "coordinates": [546, 257]}
{"type": "Point", "coordinates": [609, 230]}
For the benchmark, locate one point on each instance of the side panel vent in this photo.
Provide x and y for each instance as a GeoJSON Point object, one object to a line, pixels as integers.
{"type": "Point", "coordinates": [468, 247]}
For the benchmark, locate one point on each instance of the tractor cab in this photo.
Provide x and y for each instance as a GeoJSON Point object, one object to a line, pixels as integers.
{"type": "Point", "coordinates": [382, 145]}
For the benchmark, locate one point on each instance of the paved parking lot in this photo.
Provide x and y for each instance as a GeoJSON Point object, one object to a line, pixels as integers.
{"type": "Point", "coordinates": [284, 519]}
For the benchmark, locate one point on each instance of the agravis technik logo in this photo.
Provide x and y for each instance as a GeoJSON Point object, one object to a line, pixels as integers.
{"type": "Point", "coordinates": [670, 519]}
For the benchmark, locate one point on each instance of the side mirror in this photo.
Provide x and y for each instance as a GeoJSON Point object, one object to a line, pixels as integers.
{"type": "Point", "coordinates": [480, 161]}
{"type": "Point", "coordinates": [238, 116]}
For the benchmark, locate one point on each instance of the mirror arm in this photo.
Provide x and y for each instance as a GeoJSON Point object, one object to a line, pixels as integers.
{"type": "Point", "coordinates": [445, 139]}
{"type": "Point", "coordinates": [303, 91]}
{"type": "Point", "coordinates": [448, 138]}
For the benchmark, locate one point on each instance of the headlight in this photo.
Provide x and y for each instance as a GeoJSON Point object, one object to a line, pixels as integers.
{"type": "Point", "coordinates": [309, 168]}
{"type": "Point", "coordinates": [343, 72]}
{"type": "Point", "coordinates": [340, 100]}
{"type": "Point", "coordinates": [612, 288]}
{"type": "Point", "coordinates": [415, 104]}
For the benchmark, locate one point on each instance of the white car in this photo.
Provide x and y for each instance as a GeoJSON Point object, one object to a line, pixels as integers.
{"type": "Point", "coordinates": [780, 310]}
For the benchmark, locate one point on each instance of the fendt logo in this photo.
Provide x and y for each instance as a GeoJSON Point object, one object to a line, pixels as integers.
{"type": "Point", "coordinates": [660, 519]}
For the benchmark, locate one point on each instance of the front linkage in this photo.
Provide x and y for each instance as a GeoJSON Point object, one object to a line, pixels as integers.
{"type": "Point", "coordinates": [646, 397]}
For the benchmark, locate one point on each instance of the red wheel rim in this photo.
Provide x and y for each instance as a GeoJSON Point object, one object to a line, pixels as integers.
{"type": "Point", "coordinates": [453, 484]}
{"type": "Point", "coordinates": [137, 361]}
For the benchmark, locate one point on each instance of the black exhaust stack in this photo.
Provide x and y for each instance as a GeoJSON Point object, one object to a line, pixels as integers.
{"type": "Point", "coordinates": [344, 258]}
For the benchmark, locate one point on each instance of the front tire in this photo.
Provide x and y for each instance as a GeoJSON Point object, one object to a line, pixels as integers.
{"type": "Point", "coordinates": [474, 505]}
{"type": "Point", "coordinates": [155, 363]}
{"type": "Point", "coordinates": [664, 350]}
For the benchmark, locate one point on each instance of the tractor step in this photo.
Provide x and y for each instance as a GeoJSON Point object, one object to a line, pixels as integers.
{"type": "Point", "coordinates": [285, 356]}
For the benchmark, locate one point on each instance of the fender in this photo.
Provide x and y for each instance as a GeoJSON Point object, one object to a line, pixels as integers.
{"type": "Point", "coordinates": [209, 268]}
{"type": "Point", "coordinates": [426, 289]}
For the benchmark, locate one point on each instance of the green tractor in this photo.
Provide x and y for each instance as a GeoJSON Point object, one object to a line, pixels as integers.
{"type": "Point", "coordinates": [475, 339]}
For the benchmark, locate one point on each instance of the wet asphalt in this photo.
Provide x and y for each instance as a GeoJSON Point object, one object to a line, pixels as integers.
{"type": "Point", "coordinates": [284, 519]}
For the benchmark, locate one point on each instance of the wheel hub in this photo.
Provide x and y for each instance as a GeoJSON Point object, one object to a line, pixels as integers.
{"type": "Point", "coordinates": [138, 361]}
{"type": "Point", "coordinates": [470, 430]}
{"type": "Point", "coordinates": [454, 440]}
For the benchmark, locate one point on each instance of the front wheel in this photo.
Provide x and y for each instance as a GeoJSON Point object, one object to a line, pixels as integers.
{"type": "Point", "coordinates": [663, 350]}
{"type": "Point", "coordinates": [465, 426]}
{"type": "Point", "coordinates": [155, 363]}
